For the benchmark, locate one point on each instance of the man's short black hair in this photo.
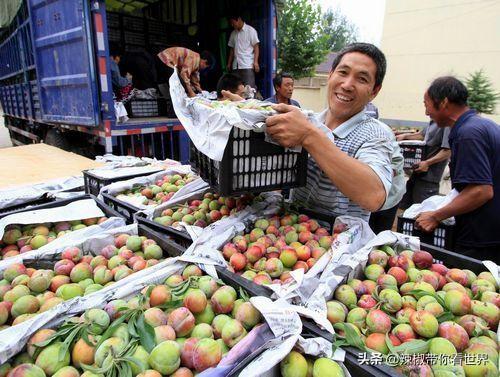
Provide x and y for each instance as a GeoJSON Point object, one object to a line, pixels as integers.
{"type": "Point", "coordinates": [448, 87]}
{"type": "Point", "coordinates": [278, 79]}
{"type": "Point", "coordinates": [235, 16]}
{"type": "Point", "coordinates": [115, 49]}
{"type": "Point", "coordinates": [228, 81]}
{"type": "Point", "coordinates": [369, 50]}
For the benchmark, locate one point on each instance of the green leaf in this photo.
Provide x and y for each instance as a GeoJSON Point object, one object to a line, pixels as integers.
{"type": "Point", "coordinates": [352, 336]}
{"type": "Point", "coordinates": [417, 346]}
{"type": "Point", "coordinates": [174, 304]}
{"type": "Point", "coordinates": [445, 316]}
{"type": "Point", "coordinates": [146, 334]}
{"type": "Point", "coordinates": [67, 343]}
{"type": "Point", "coordinates": [389, 344]}
{"type": "Point", "coordinates": [111, 329]}
{"type": "Point", "coordinates": [244, 295]}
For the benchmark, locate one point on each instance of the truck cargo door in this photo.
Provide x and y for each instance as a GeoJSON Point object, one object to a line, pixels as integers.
{"type": "Point", "coordinates": [65, 66]}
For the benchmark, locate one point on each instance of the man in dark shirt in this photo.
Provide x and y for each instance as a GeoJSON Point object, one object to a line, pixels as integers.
{"type": "Point", "coordinates": [425, 178]}
{"type": "Point", "coordinates": [474, 170]}
{"type": "Point", "coordinates": [283, 85]}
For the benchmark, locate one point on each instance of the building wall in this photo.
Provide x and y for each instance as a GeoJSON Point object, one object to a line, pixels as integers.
{"type": "Point", "coordinates": [424, 39]}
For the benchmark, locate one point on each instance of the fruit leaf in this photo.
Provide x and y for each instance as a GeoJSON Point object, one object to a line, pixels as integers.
{"type": "Point", "coordinates": [352, 337]}
{"type": "Point", "coordinates": [244, 295]}
{"type": "Point", "coordinates": [389, 344]}
{"type": "Point", "coordinates": [394, 320]}
{"type": "Point", "coordinates": [149, 290]}
{"type": "Point", "coordinates": [445, 316]}
{"type": "Point", "coordinates": [67, 342]}
{"type": "Point", "coordinates": [174, 304]}
{"type": "Point", "coordinates": [132, 330]}
{"type": "Point", "coordinates": [111, 329]}
{"type": "Point", "coordinates": [416, 346]}
{"type": "Point", "coordinates": [146, 333]}
{"type": "Point", "coordinates": [419, 293]}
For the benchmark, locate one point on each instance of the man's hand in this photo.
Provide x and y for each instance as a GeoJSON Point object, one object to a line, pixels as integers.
{"type": "Point", "coordinates": [231, 96]}
{"type": "Point", "coordinates": [289, 128]}
{"type": "Point", "coordinates": [256, 67]}
{"type": "Point", "coordinates": [400, 137]}
{"type": "Point", "coordinates": [427, 221]}
{"type": "Point", "coordinates": [421, 167]}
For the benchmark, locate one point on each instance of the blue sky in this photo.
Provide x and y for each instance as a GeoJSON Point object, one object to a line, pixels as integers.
{"type": "Point", "coordinates": [367, 15]}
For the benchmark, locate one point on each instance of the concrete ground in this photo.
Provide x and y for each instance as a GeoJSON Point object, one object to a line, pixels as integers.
{"type": "Point", "coordinates": [4, 133]}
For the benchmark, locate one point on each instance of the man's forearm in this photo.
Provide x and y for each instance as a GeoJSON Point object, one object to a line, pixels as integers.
{"type": "Point", "coordinates": [442, 155]}
{"type": "Point", "coordinates": [256, 53]}
{"type": "Point", "coordinates": [353, 178]}
{"type": "Point", "coordinates": [469, 199]}
{"type": "Point", "coordinates": [414, 136]}
{"type": "Point", "coordinates": [230, 58]}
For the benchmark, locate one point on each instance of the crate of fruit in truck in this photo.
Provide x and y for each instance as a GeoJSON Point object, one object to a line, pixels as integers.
{"type": "Point", "coordinates": [230, 149]}
{"type": "Point", "coordinates": [393, 298]}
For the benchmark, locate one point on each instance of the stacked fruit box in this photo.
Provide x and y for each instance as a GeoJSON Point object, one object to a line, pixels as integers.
{"type": "Point", "coordinates": [408, 305]}
{"type": "Point", "coordinates": [142, 193]}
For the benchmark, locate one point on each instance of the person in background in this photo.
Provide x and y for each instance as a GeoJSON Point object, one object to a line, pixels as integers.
{"type": "Point", "coordinates": [371, 110]}
{"type": "Point", "coordinates": [188, 64]}
{"type": "Point", "coordinates": [283, 86]}
{"type": "Point", "coordinates": [384, 219]}
{"type": "Point", "coordinates": [141, 66]}
{"type": "Point", "coordinates": [243, 59]}
{"type": "Point", "coordinates": [230, 83]}
{"type": "Point", "coordinates": [474, 171]}
{"type": "Point", "coordinates": [425, 178]}
{"type": "Point", "coordinates": [349, 167]}
{"type": "Point", "coordinates": [121, 85]}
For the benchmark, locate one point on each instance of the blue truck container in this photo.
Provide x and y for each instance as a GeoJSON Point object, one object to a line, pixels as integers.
{"type": "Point", "coordinates": [55, 82]}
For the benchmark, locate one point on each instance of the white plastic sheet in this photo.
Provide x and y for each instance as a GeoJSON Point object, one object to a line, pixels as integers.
{"type": "Point", "coordinates": [19, 195]}
{"type": "Point", "coordinates": [432, 203]}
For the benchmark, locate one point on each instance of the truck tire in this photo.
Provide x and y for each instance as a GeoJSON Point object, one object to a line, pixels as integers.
{"type": "Point", "coordinates": [56, 139]}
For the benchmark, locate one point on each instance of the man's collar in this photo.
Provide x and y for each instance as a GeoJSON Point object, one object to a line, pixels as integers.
{"type": "Point", "coordinates": [343, 130]}
{"type": "Point", "coordinates": [243, 27]}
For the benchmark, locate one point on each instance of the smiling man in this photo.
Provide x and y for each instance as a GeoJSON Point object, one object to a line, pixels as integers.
{"type": "Point", "coordinates": [349, 169]}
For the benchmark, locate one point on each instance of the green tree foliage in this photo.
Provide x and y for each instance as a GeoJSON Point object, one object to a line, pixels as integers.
{"type": "Point", "coordinates": [339, 30]}
{"type": "Point", "coordinates": [482, 96]}
{"type": "Point", "coordinates": [302, 43]}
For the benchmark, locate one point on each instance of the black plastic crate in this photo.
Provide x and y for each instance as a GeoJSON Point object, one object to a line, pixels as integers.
{"type": "Point", "coordinates": [180, 237]}
{"type": "Point", "coordinates": [94, 183]}
{"type": "Point", "coordinates": [157, 27]}
{"type": "Point", "coordinates": [175, 250]}
{"type": "Point", "coordinates": [141, 108]}
{"type": "Point", "coordinates": [114, 35]}
{"type": "Point", "coordinates": [113, 19]}
{"type": "Point", "coordinates": [126, 210]}
{"type": "Point", "coordinates": [138, 39]}
{"type": "Point", "coordinates": [443, 236]}
{"type": "Point", "coordinates": [34, 202]}
{"type": "Point", "coordinates": [351, 360]}
{"type": "Point", "coordinates": [251, 164]}
{"type": "Point", "coordinates": [412, 154]}
{"type": "Point", "coordinates": [133, 23]}
{"type": "Point", "coordinates": [109, 212]}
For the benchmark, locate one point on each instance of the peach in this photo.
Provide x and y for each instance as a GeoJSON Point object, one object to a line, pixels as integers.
{"type": "Point", "coordinates": [373, 271]}
{"type": "Point", "coordinates": [399, 274]}
{"type": "Point", "coordinates": [165, 357]}
{"type": "Point", "coordinates": [63, 267]}
{"type": "Point", "coordinates": [160, 295]}
{"type": "Point", "coordinates": [195, 300]}
{"type": "Point", "coordinates": [457, 302]}
{"type": "Point", "coordinates": [422, 259]}
{"type": "Point", "coordinates": [238, 261]}
{"type": "Point", "coordinates": [378, 257]}
{"type": "Point", "coordinates": [13, 271]}
{"type": "Point", "coordinates": [80, 272]}
{"type": "Point", "coordinates": [187, 351]}
{"type": "Point", "coordinates": [206, 354]}
{"type": "Point", "coordinates": [403, 315]}
{"type": "Point", "coordinates": [357, 316]}
{"type": "Point", "coordinates": [366, 302]}
{"type": "Point", "coordinates": [378, 322]}
{"type": "Point", "coordinates": [387, 281]}
{"type": "Point", "coordinates": [455, 333]}
{"type": "Point", "coordinates": [182, 321]}
{"type": "Point", "coordinates": [377, 343]}
{"type": "Point", "coordinates": [457, 275]}
{"type": "Point", "coordinates": [83, 353]}
{"type": "Point", "coordinates": [191, 270]}
{"type": "Point", "coordinates": [403, 332]}
{"type": "Point", "coordinates": [424, 323]}
{"type": "Point", "coordinates": [336, 311]}
{"type": "Point", "coordinates": [232, 332]}
{"type": "Point", "coordinates": [72, 253]}
{"type": "Point", "coordinates": [487, 311]}
{"type": "Point", "coordinates": [346, 295]}
{"type": "Point", "coordinates": [222, 300]}
{"type": "Point", "coordinates": [109, 251]}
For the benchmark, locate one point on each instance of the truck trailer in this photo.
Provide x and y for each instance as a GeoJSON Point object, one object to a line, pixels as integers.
{"type": "Point", "coordinates": [55, 80]}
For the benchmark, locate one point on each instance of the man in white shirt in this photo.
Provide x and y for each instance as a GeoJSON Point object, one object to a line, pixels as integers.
{"type": "Point", "coordinates": [243, 57]}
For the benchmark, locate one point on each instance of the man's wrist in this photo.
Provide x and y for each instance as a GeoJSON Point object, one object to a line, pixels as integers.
{"type": "Point", "coordinates": [311, 137]}
{"type": "Point", "coordinates": [439, 216]}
